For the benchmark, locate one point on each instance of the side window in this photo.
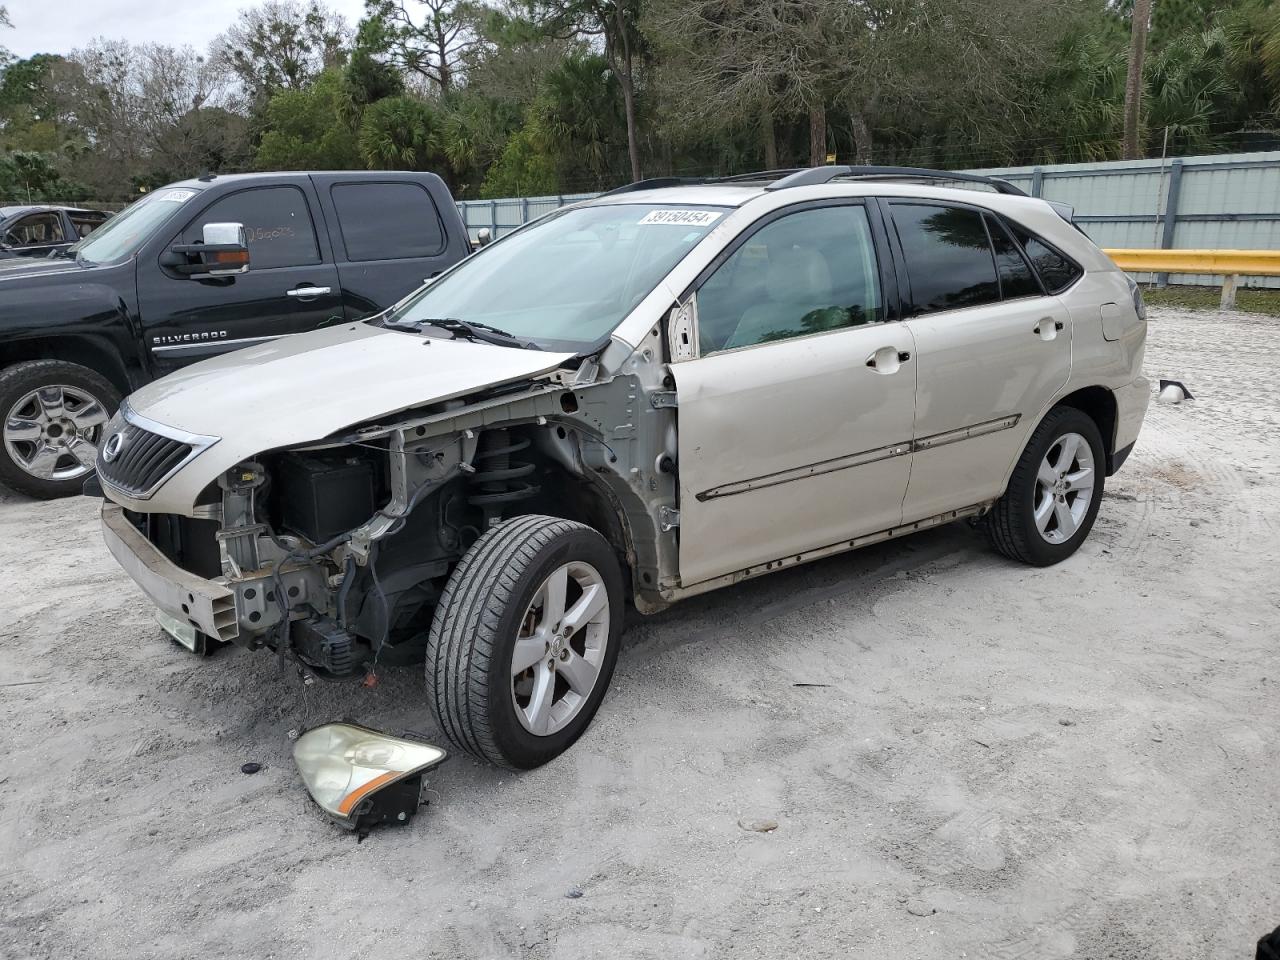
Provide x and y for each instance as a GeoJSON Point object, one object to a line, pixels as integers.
{"type": "Point", "coordinates": [1055, 270]}
{"type": "Point", "coordinates": [949, 259]}
{"type": "Point", "coordinates": [804, 273]}
{"type": "Point", "coordinates": [1016, 278]}
{"type": "Point", "coordinates": [386, 221]}
{"type": "Point", "coordinates": [38, 228]}
{"type": "Point", "coordinates": [86, 223]}
{"type": "Point", "coordinates": [276, 221]}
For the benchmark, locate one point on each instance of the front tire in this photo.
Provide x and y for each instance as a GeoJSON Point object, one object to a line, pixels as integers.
{"type": "Point", "coordinates": [524, 640]}
{"type": "Point", "coordinates": [54, 414]}
{"type": "Point", "coordinates": [1054, 493]}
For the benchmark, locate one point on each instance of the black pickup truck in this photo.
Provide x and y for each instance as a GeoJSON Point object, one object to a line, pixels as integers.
{"type": "Point", "coordinates": [147, 293]}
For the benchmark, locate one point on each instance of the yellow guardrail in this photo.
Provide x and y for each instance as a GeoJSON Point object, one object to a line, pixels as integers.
{"type": "Point", "coordinates": [1228, 264]}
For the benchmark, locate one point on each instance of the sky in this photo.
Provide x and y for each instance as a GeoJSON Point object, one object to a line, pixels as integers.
{"type": "Point", "coordinates": [59, 26]}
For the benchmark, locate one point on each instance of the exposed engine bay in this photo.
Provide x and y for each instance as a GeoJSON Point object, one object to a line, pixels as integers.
{"type": "Point", "coordinates": [337, 553]}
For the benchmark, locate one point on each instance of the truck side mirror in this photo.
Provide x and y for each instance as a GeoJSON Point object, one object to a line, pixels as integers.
{"type": "Point", "coordinates": [224, 252]}
{"type": "Point", "coordinates": [483, 237]}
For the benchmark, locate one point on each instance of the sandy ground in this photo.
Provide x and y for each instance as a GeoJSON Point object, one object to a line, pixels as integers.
{"type": "Point", "coordinates": [998, 762]}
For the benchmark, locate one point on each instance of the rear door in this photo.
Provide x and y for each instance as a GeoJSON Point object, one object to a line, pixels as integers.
{"type": "Point", "coordinates": [389, 237]}
{"type": "Point", "coordinates": [84, 222]}
{"type": "Point", "coordinates": [291, 287]}
{"type": "Point", "coordinates": [795, 415]}
{"type": "Point", "coordinates": [993, 350]}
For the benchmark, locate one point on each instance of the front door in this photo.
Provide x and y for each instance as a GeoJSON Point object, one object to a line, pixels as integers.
{"type": "Point", "coordinates": [291, 287]}
{"type": "Point", "coordinates": [796, 413]}
{"type": "Point", "coordinates": [993, 349]}
{"type": "Point", "coordinates": [37, 234]}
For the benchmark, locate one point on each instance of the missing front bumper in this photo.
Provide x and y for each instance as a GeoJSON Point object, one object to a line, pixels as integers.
{"type": "Point", "coordinates": [191, 600]}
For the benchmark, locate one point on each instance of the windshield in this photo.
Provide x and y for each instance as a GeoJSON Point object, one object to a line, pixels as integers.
{"type": "Point", "coordinates": [120, 237]}
{"type": "Point", "coordinates": [566, 281]}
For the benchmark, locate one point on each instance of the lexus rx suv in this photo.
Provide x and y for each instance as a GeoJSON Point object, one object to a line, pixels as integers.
{"type": "Point", "coordinates": [667, 389]}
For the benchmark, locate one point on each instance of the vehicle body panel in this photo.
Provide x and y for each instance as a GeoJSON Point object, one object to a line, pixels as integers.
{"type": "Point", "coordinates": [94, 315]}
{"type": "Point", "coordinates": [790, 445]}
{"type": "Point", "coordinates": [983, 366]}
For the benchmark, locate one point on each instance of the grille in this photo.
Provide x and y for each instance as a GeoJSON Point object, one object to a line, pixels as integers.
{"type": "Point", "coordinates": [144, 460]}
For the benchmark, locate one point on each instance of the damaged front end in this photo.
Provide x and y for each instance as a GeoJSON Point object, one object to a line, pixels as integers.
{"type": "Point", "coordinates": [335, 553]}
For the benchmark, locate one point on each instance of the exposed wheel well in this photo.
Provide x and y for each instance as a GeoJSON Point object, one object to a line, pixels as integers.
{"type": "Point", "coordinates": [1100, 404]}
{"type": "Point", "coordinates": [84, 351]}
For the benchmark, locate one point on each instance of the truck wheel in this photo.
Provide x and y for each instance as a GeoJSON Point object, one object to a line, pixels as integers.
{"type": "Point", "coordinates": [1054, 493]}
{"type": "Point", "coordinates": [54, 414]}
{"type": "Point", "coordinates": [524, 640]}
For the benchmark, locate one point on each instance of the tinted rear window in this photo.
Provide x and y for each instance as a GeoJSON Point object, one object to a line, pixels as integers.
{"type": "Point", "coordinates": [949, 259]}
{"type": "Point", "coordinates": [1055, 270]}
{"type": "Point", "coordinates": [387, 221]}
{"type": "Point", "coordinates": [1016, 278]}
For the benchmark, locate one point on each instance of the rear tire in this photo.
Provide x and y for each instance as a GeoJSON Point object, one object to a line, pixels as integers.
{"type": "Point", "coordinates": [524, 640]}
{"type": "Point", "coordinates": [54, 415]}
{"type": "Point", "coordinates": [1054, 493]}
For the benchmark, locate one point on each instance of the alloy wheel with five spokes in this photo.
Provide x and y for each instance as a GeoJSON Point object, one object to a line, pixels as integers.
{"type": "Point", "coordinates": [1064, 488]}
{"type": "Point", "coordinates": [560, 649]}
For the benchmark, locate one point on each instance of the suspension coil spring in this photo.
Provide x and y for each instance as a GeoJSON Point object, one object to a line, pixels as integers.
{"type": "Point", "coordinates": [499, 479]}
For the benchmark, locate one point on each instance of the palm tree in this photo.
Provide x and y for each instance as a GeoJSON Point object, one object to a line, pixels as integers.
{"type": "Point", "coordinates": [1139, 23]}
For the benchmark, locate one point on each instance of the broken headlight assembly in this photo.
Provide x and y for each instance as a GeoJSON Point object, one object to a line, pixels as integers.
{"type": "Point", "coordinates": [361, 777]}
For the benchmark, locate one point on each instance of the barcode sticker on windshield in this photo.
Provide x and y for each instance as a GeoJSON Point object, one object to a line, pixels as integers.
{"type": "Point", "coordinates": [681, 218]}
{"type": "Point", "coordinates": [176, 196]}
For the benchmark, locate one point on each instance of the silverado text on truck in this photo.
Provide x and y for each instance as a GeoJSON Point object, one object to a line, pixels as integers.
{"type": "Point", "coordinates": [668, 389]}
{"type": "Point", "coordinates": [126, 305]}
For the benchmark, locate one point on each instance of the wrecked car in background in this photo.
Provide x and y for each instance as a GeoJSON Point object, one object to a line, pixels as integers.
{"type": "Point", "coordinates": [646, 396]}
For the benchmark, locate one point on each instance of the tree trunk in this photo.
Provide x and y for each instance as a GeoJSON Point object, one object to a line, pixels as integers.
{"type": "Point", "coordinates": [861, 138]}
{"type": "Point", "coordinates": [442, 51]}
{"type": "Point", "coordinates": [769, 138]}
{"type": "Point", "coordinates": [633, 135]}
{"type": "Point", "coordinates": [817, 135]}
{"type": "Point", "coordinates": [1133, 84]}
{"type": "Point", "coordinates": [617, 41]}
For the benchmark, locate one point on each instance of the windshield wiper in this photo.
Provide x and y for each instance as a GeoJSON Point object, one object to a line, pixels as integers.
{"type": "Point", "coordinates": [469, 329]}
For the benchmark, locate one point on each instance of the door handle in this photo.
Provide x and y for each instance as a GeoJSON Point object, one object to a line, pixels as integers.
{"type": "Point", "coordinates": [1047, 328]}
{"type": "Point", "coordinates": [888, 360]}
{"type": "Point", "coordinates": [307, 291]}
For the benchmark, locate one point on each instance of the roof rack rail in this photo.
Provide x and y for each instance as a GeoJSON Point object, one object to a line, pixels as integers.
{"type": "Point", "coordinates": [655, 183]}
{"type": "Point", "coordinates": [817, 175]}
{"type": "Point", "coordinates": [759, 175]}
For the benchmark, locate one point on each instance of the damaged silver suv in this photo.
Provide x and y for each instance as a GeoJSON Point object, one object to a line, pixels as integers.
{"type": "Point", "coordinates": [667, 389]}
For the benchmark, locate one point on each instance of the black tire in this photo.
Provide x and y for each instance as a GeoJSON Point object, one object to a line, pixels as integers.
{"type": "Point", "coordinates": [1011, 525]}
{"type": "Point", "coordinates": [474, 630]}
{"type": "Point", "coordinates": [21, 379]}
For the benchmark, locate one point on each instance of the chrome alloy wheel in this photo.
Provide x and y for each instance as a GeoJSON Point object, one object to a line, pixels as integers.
{"type": "Point", "coordinates": [560, 649]}
{"type": "Point", "coordinates": [53, 432]}
{"type": "Point", "coordinates": [1064, 488]}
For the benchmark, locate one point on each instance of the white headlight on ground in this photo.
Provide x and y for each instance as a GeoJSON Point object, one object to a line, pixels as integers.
{"type": "Point", "coordinates": [360, 776]}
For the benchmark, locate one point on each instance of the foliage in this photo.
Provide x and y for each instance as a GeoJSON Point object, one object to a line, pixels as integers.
{"type": "Point", "coordinates": [516, 97]}
{"type": "Point", "coordinates": [34, 178]}
{"type": "Point", "coordinates": [305, 129]}
{"type": "Point", "coordinates": [578, 124]}
{"type": "Point", "coordinates": [282, 45]}
{"type": "Point", "coordinates": [401, 133]}
{"type": "Point", "coordinates": [523, 170]}
{"type": "Point", "coordinates": [431, 43]}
